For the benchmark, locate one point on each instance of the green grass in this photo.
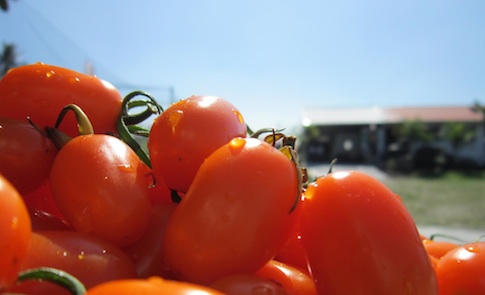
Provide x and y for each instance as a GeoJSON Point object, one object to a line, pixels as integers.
{"type": "Point", "coordinates": [451, 200]}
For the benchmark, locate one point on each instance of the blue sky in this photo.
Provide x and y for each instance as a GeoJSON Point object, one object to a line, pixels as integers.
{"type": "Point", "coordinates": [269, 58]}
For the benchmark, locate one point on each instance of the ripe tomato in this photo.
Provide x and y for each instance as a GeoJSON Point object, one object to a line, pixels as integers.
{"type": "Point", "coordinates": [236, 215]}
{"type": "Point", "coordinates": [146, 251]}
{"type": "Point", "coordinates": [247, 284]}
{"type": "Point", "coordinates": [438, 248]}
{"type": "Point", "coordinates": [89, 259]}
{"type": "Point", "coordinates": [100, 186]}
{"type": "Point", "coordinates": [186, 133]}
{"type": "Point", "coordinates": [360, 239]}
{"type": "Point", "coordinates": [15, 231]}
{"type": "Point", "coordinates": [40, 91]}
{"type": "Point", "coordinates": [26, 154]}
{"type": "Point", "coordinates": [460, 271]}
{"type": "Point", "coordinates": [293, 253]}
{"type": "Point", "coordinates": [293, 280]}
{"type": "Point", "coordinates": [150, 286]}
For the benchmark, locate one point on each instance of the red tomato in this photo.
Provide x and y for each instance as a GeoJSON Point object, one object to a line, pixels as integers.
{"type": "Point", "coordinates": [26, 154]}
{"type": "Point", "coordinates": [150, 286]}
{"type": "Point", "coordinates": [40, 91]}
{"type": "Point", "coordinates": [293, 253]}
{"type": "Point", "coordinates": [186, 133]}
{"type": "Point", "coordinates": [236, 215]}
{"type": "Point", "coordinates": [146, 251]}
{"type": "Point", "coordinates": [89, 259]}
{"type": "Point", "coordinates": [438, 248]}
{"type": "Point", "coordinates": [100, 186]}
{"type": "Point", "coordinates": [360, 239]}
{"type": "Point", "coordinates": [293, 280]}
{"type": "Point", "coordinates": [247, 284]}
{"type": "Point", "coordinates": [460, 271]}
{"type": "Point", "coordinates": [15, 231]}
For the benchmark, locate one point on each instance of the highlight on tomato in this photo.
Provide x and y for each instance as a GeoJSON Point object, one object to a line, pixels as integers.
{"type": "Point", "coordinates": [188, 131]}
{"type": "Point", "coordinates": [238, 213]}
{"type": "Point", "coordinates": [247, 284]}
{"type": "Point", "coordinates": [150, 286]}
{"type": "Point", "coordinates": [460, 271]}
{"type": "Point", "coordinates": [40, 91]}
{"type": "Point", "coordinates": [15, 231]}
{"type": "Point", "coordinates": [360, 239]}
{"type": "Point", "coordinates": [26, 154]}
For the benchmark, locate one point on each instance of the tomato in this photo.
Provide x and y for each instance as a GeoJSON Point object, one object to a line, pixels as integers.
{"type": "Point", "coordinates": [15, 231]}
{"type": "Point", "coordinates": [89, 259]}
{"type": "Point", "coordinates": [247, 284]}
{"type": "Point", "coordinates": [237, 214]}
{"type": "Point", "coordinates": [186, 133]}
{"type": "Point", "coordinates": [150, 286]}
{"type": "Point", "coordinates": [146, 251]}
{"type": "Point", "coordinates": [26, 154]}
{"type": "Point", "coordinates": [438, 248]}
{"type": "Point", "coordinates": [293, 280]}
{"type": "Point", "coordinates": [100, 186]}
{"type": "Point", "coordinates": [460, 271]}
{"type": "Point", "coordinates": [360, 239]}
{"type": "Point", "coordinates": [40, 91]}
{"type": "Point", "coordinates": [293, 253]}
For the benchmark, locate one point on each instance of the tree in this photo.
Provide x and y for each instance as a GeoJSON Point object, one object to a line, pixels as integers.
{"type": "Point", "coordinates": [8, 59]}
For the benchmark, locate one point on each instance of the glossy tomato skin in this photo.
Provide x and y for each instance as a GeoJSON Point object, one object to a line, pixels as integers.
{"type": "Point", "coordinates": [91, 260]}
{"type": "Point", "coordinates": [186, 133]}
{"type": "Point", "coordinates": [247, 284]}
{"type": "Point", "coordinates": [40, 91]}
{"type": "Point", "coordinates": [150, 286]}
{"type": "Point", "coordinates": [236, 215]}
{"type": "Point", "coordinates": [460, 271]}
{"type": "Point", "coordinates": [15, 231]}
{"type": "Point", "coordinates": [293, 280]}
{"type": "Point", "coordinates": [100, 186]}
{"type": "Point", "coordinates": [26, 155]}
{"type": "Point", "coordinates": [360, 239]}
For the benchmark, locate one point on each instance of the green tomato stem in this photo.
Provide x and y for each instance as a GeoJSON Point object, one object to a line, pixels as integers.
{"type": "Point", "coordinates": [56, 276]}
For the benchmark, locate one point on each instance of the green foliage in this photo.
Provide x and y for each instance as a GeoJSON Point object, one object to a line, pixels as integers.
{"type": "Point", "coordinates": [458, 133]}
{"type": "Point", "coordinates": [413, 131]}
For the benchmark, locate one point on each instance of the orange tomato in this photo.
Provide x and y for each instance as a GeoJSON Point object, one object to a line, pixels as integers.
{"type": "Point", "coordinates": [15, 231]}
{"type": "Point", "coordinates": [237, 214]}
{"type": "Point", "coordinates": [40, 91]}
{"type": "Point", "coordinates": [150, 286]}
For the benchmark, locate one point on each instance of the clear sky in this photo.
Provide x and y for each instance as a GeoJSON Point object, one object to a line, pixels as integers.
{"type": "Point", "coordinates": [270, 58]}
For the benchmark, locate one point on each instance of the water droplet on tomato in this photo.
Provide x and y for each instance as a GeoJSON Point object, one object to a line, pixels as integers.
{"type": "Point", "coordinates": [50, 73]}
{"type": "Point", "coordinates": [174, 119]}
{"type": "Point", "coordinates": [239, 116]}
{"type": "Point", "coordinates": [237, 144]}
{"type": "Point", "coordinates": [473, 249]}
{"type": "Point", "coordinates": [73, 80]}
{"type": "Point", "coordinates": [262, 290]}
{"type": "Point", "coordinates": [81, 255]}
{"type": "Point", "coordinates": [125, 168]}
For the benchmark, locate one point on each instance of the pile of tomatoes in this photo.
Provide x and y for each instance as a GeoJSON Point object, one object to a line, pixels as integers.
{"type": "Point", "coordinates": [206, 206]}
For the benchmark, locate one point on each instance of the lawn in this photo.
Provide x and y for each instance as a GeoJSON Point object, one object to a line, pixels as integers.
{"type": "Point", "coordinates": [451, 200]}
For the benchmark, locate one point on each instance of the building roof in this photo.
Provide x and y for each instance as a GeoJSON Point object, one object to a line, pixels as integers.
{"type": "Point", "coordinates": [384, 115]}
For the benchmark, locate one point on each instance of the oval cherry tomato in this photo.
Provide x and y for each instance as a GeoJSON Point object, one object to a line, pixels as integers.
{"type": "Point", "coordinates": [293, 280]}
{"type": "Point", "coordinates": [146, 251]}
{"type": "Point", "coordinates": [100, 186]}
{"type": "Point", "coordinates": [150, 286]}
{"type": "Point", "coordinates": [360, 239]}
{"type": "Point", "coordinates": [15, 231]}
{"type": "Point", "coordinates": [40, 91]}
{"type": "Point", "coordinates": [247, 284]}
{"type": "Point", "coordinates": [89, 259]}
{"type": "Point", "coordinates": [236, 215]}
{"type": "Point", "coordinates": [460, 271]}
{"type": "Point", "coordinates": [186, 133]}
{"type": "Point", "coordinates": [26, 154]}
{"type": "Point", "coordinates": [438, 248]}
